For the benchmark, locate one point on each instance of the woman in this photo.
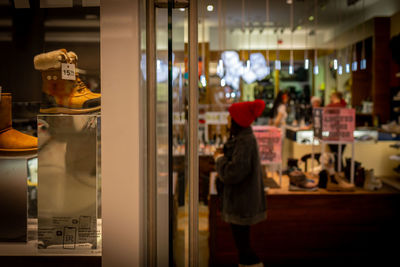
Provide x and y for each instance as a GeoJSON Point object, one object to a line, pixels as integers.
{"type": "Point", "coordinates": [239, 169]}
{"type": "Point", "coordinates": [337, 101]}
{"type": "Point", "coordinates": [278, 111]}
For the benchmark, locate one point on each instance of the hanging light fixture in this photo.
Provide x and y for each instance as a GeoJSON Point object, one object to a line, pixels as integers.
{"type": "Point", "coordinates": [220, 66]}
{"type": "Point", "coordinates": [268, 69]}
{"type": "Point", "coordinates": [340, 67]}
{"type": "Point", "coordinates": [354, 63]}
{"type": "Point", "coordinates": [335, 61]}
{"type": "Point", "coordinates": [277, 61]}
{"type": "Point", "coordinates": [347, 65]}
{"type": "Point", "coordinates": [363, 61]}
{"type": "Point", "coordinates": [316, 69]}
{"type": "Point", "coordinates": [291, 65]}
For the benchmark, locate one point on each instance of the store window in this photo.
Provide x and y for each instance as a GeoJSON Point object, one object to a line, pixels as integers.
{"type": "Point", "coordinates": [50, 112]}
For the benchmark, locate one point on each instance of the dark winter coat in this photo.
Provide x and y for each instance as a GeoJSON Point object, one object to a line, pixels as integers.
{"type": "Point", "coordinates": [243, 197]}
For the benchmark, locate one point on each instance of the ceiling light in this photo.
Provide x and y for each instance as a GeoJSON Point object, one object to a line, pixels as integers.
{"type": "Point", "coordinates": [316, 70]}
{"type": "Point", "coordinates": [347, 67]}
{"type": "Point", "coordinates": [311, 18]}
{"type": "Point", "coordinates": [277, 64]}
{"type": "Point", "coordinates": [340, 70]}
{"type": "Point", "coordinates": [181, 9]}
{"type": "Point", "coordinates": [210, 8]}
{"type": "Point", "coordinates": [289, 2]}
{"type": "Point", "coordinates": [363, 64]}
{"type": "Point", "coordinates": [291, 69]}
{"type": "Point", "coordinates": [354, 66]}
{"type": "Point", "coordinates": [306, 64]}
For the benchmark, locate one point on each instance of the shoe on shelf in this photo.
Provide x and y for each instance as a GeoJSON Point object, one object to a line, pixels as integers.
{"type": "Point", "coordinates": [395, 157]}
{"type": "Point", "coordinates": [11, 140]}
{"type": "Point", "coordinates": [337, 182]}
{"type": "Point", "coordinates": [60, 95]}
{"type": "Point", "coordinates": [298, 180]}
{"type": "Point", "coordinates": [397, 145]}
{"type": "Point", "coordinates": [391, 127]}
{"type": "Point", "coordinates": [371, 182]}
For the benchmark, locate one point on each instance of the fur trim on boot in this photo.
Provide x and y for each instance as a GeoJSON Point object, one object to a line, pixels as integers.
{"type": "Point", "coordinates": [50, 60]}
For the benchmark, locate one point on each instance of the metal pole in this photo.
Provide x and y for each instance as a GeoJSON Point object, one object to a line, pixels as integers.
{"type": "Point", "coordinates": [352, 163]}
{"type": "Point", "coordinates": [339, 163]}
{"type": "Point", "coordinates": [151, 135]}
{"type": "Point", "coordinates": [193, 140]}
{"type": "Point", "coordinates": [170, 140]}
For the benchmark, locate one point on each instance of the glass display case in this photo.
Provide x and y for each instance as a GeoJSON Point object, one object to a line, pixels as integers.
{"type": "Point", "coordinates": [50, 116]}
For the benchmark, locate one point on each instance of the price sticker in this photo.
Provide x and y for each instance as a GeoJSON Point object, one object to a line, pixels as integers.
{"type": "Point", "coordinates": [67, 71]}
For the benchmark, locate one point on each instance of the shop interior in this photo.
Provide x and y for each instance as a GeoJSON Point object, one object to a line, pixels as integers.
{"type": "Point", "coordinates": [307, 50]}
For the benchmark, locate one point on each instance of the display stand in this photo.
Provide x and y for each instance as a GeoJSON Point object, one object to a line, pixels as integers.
{"type": "Point", "coordinates": [68, 171]}
{"type": "Point", "coordinates": [13, 197]}
{"type": "Point", "coordinates": [279, 170]}
{"type": "Point", "coordinates": [339, 163]}
{"type": "Point", "coordinates": [334, 126]}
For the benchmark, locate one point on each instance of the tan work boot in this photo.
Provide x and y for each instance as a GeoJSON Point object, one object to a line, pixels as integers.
{"type": "Point", "coordinates": [11, 140]}
{"type": "Point", "coordinates": [64, 96]}
{"type": "Point", "coordinates": [336, 182]}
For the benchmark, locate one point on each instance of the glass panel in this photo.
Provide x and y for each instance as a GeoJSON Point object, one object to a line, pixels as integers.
{"type": "Point", "coordinates": [50, 126]}
{"type": "Point", "coordinates": [68, 181]}
{"type": "Point", "coordinates": [162, 137]}
{"type": "Point", "coordinates": [172, 199]}
{"type": "Point", "coordinates": [179, 109]}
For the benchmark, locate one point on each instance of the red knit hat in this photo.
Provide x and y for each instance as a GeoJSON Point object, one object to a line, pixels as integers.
{"type": "Point", "coordinates": [244, 113]}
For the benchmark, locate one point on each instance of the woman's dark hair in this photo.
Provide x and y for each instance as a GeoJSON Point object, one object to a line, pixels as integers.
{"type": "Point", "coordinates": [278, 100]}
{"type": "Point", "coordinates": [235, 128]}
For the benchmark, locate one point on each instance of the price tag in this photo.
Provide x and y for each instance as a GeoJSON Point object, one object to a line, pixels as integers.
{"type": "Point", "coordinates": [67, 71]}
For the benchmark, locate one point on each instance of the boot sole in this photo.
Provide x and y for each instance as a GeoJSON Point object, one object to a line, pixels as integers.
{"type": "Point", "coordinates": [62, 110]}
{"type": "Point", "coordinates": [18, 150]}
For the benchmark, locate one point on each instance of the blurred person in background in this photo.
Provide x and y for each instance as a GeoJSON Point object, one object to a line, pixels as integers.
{"type": "Point", "coordinates": [278, 113]}
{"type": "Point", "coordinates": [240, 173]}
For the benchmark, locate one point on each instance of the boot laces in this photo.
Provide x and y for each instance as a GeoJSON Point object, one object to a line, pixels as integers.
{"type": "Point", "coordinates": [81, 85]}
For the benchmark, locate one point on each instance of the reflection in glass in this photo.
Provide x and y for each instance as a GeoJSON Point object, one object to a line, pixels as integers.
{"type": "Point", "coordinates": [68, 174]}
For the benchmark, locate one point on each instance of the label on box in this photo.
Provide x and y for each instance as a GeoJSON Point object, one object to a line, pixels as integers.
{"type": "Point", "coordinates": [68, 232]}
{"type": "Point", "coordinates": [67, 71]}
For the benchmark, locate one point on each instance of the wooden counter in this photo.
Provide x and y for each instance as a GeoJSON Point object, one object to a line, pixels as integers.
{"type": "Point", "coordinates": [320, 228]}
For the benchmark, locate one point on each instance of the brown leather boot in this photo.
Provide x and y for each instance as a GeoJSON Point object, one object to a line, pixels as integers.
{"type": "Point", "coordinates": [64, 96]}
{"type": "Point", "coordinates": [11, 140]}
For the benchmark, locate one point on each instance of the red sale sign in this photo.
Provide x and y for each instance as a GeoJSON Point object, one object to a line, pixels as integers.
{"type": "Point", "coordinates": [338, 124]}
{"type": "Point", "coordinates": [269, 141]}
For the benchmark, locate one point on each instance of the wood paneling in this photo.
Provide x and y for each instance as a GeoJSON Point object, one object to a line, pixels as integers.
{"type": "Point", "coordinates": [381, 68]}
{"type": "Point", "coordinates": [362, 79]}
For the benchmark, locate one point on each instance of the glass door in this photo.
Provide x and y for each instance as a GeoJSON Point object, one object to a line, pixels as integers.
{"type": "Point", "coordinates": [172, 133]}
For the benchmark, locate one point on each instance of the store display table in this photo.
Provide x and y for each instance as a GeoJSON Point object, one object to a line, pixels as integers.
{"type": "Point", "coordinates": [316, 227]}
